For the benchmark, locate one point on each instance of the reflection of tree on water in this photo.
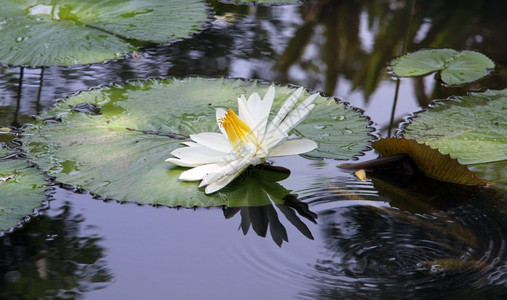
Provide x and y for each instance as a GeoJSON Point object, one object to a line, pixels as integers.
{"type": "Point", "coordinates": [49, 258]}
{"type": "Point", "coordinates": [331, 44]}
{"type": "Point", "coordinates": [258, 197]}
{"type": "Point", "coordinates": [390, 253]}
{"type": "Point", "coordinates": [249, 41]}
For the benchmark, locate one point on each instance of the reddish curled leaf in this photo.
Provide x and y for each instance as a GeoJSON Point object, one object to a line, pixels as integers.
{"type": "Point", "coordinates": [429, 161]}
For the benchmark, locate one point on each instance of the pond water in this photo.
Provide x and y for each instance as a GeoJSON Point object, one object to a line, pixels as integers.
{"type": "Point", "coordinates": [342, 238]}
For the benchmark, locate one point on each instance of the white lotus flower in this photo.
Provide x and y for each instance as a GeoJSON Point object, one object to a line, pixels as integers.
{"type": "Point", "coordinates": [217, 158]}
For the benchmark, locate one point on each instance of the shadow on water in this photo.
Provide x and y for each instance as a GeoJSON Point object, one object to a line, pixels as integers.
{"type": "Point", "coordinates": [49, 257]}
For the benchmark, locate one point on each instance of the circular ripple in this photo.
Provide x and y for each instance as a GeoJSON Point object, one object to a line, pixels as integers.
{"type": "Point", "coordinates": [384, 252]}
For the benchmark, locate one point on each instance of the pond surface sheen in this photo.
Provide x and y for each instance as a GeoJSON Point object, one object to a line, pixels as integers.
{"type": "Point", "coordinates": [389, 237]}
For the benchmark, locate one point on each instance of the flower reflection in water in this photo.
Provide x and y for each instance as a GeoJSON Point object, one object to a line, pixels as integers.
{"type": "Point", "coordinates": [260, 199]}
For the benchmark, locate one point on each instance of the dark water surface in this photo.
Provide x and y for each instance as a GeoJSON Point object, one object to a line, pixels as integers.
{"type": "Point", "coordinates": [384, 238]}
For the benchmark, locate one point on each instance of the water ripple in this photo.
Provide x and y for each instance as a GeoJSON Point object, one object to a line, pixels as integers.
{"type": "Point", "coordinates": [385, 252]}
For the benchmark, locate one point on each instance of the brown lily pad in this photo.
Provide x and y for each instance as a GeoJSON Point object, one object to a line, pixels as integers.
{"type": "Point", "coordinates": [429, 161]}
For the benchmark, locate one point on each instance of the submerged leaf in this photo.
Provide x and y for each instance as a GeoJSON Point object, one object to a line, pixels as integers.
{"type": "Point", "coordinates": [455, 67]}
{"type": "Point", "coordinates": [21, 190]}
{"type": "Point", "coordinates": [419, 193]}
{"type": "Point", "coordinates": [67, 32]}
{"type": "Point", "coordinates": [429, 161]}
{"type": "Point", "coordinates": [471, 128]}
{"type": "Point", "coordinates": [450, 265]}
{"type": "Point", "coordinates": [120, 153]}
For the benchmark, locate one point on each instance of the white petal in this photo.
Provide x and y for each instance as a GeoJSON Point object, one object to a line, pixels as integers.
{"type": "Point", "coordinates": [268, 98]}
{"type": "Point", "coordinates": [299, 113]}
{"type": "Point", "coordinates": [296, 117]}
{"type": "Point", "coordinates": [273, 139]}
{"type": "Point", "coordinates": [213, 140]}
{"type": "Point", "coordinates": [232, 167]}
{"type": "Point", "coordinates": [310, 99]}
{"type": "Point", "coordinates": [181, 163]}
{"type": "Point", "coordinates": [284, 110]}
{"type": "Point", "coordinates": [190, 144]}
{"type": "Point", "coordinates": [293, 147]}
{"type": "Point", "coordinates": [222, 182]}
{"type": "Point", "coordinates": [210, 178]}
{"type": "Point", "coordinates": [254, 103]}
{"type": "Point", "coordinates": [199, 155]}
{"type": "Point", "coordinates": [198, 173]}
{"type": "Point", "coordinates": [277, 135]}
{"type": "Point", "coordinates": [261, 115]}
{"type": "Point", "coordinates": [244, 112]}
{"type": "Point", "coordinates": [220, 114]}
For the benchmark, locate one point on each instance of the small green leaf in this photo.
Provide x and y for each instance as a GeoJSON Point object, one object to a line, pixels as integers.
{"type": "Point", "coordinates": [472, 128]}
{"type": "Point", "coordinates": [21, 190]}
{"type": "Point", "coordinates": [67, 32]}
{"type": "Point", "coordinates": [467, 66]}
{"type": "Point", "coordinates": [422, 62]}
{"type": "Point", "coordinates": [117, 148]}
{"type": "Point", "coordinates": [456, 67]}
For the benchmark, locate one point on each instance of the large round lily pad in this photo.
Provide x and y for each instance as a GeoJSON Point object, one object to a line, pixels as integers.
{"type": "Point", "coordinates": [472, 128]}
{"type": "Point", "coordinates": [21, 190]}
{"type": "Point", "coordinates": [67, 32]}
{"type": "Point", "coordinates": [114, 141]}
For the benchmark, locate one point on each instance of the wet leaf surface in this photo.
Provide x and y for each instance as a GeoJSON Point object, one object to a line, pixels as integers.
{"type": "Point", "coordinates": [472, 128]}
{"type": "Point", "coordinates": [115, 154]}
{"type": "Point", "coordinates": [21, 189]}
{"type": "Point", "coordinates": [68, 32]}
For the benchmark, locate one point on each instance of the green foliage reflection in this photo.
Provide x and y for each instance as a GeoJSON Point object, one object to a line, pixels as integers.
{"type": "Point", "coordinates": [50, 258]}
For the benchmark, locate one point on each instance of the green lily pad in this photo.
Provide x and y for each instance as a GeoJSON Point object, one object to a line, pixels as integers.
{"type": "Point", "coordinates": [120, 152]}
{"type": "Point", "coordinates": [472, 128]}
{"type": "Point", "coordinates": [455, 67]}
{"type": "Point", "coordinates": [21, 190]}
{"type": "Point", "coordinates": [68, 32]}
{"type": "Point", "coordinates": [493, 172]}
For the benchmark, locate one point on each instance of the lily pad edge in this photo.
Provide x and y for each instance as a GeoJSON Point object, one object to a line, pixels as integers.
{"type": "Point", "coordinates": [130, 55]}
{"type": "Point", "coordinates": [44, 205]}
{"type": "Point", "coordinates": [370, 129]}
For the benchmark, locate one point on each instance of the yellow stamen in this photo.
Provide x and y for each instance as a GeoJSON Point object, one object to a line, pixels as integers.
{"type": "Point", "coordinates": [238, 133]}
